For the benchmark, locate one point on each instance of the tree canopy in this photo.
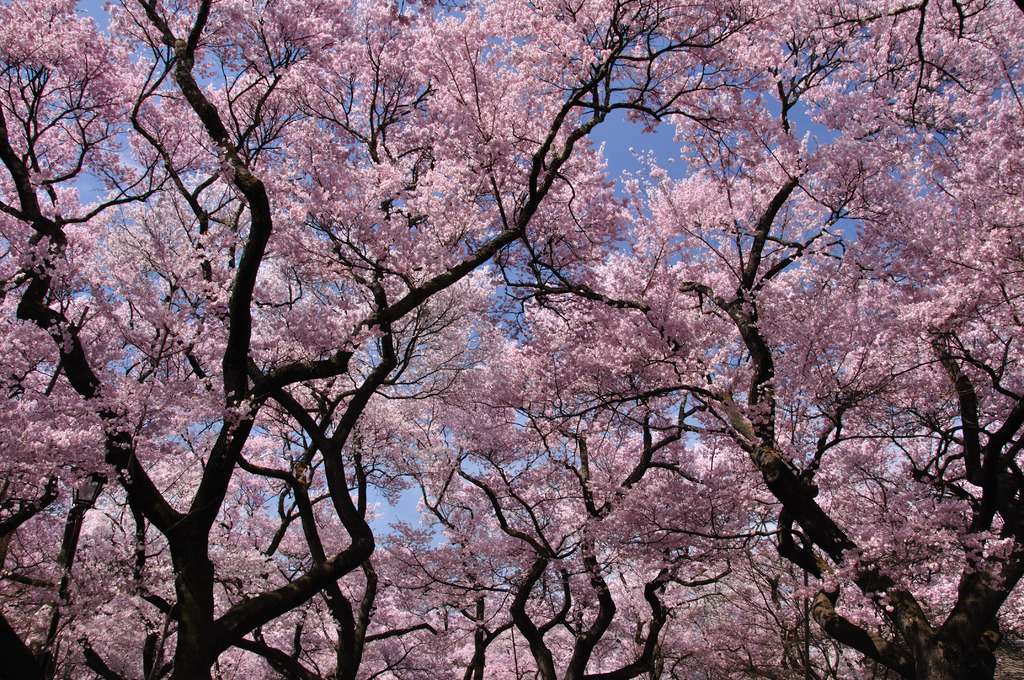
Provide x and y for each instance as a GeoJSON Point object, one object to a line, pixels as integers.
{"type": "Point", "coordinates": [268, 267]}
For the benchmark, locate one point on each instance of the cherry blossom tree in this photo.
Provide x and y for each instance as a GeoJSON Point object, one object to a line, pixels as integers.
{"type": "Point", "coordinates": [267, 266]}
{"type": "Point", "coordinates": [563, 518]}
{"type": "Point", "coordinates": [846, 313]}
{"type": "Point", "coordinates": [230, 231]}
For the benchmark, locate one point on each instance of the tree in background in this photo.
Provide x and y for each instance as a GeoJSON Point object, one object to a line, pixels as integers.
{"type": "Point", "coordinates": [264, 263]}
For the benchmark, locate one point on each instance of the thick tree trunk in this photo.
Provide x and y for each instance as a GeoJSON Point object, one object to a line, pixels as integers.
{"type": "Point", "coordinates": [18, 661]}
{"type": "Point", "coordinates": [194, 653]}
{"type": "Point", "coordinates": [946, 661]}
